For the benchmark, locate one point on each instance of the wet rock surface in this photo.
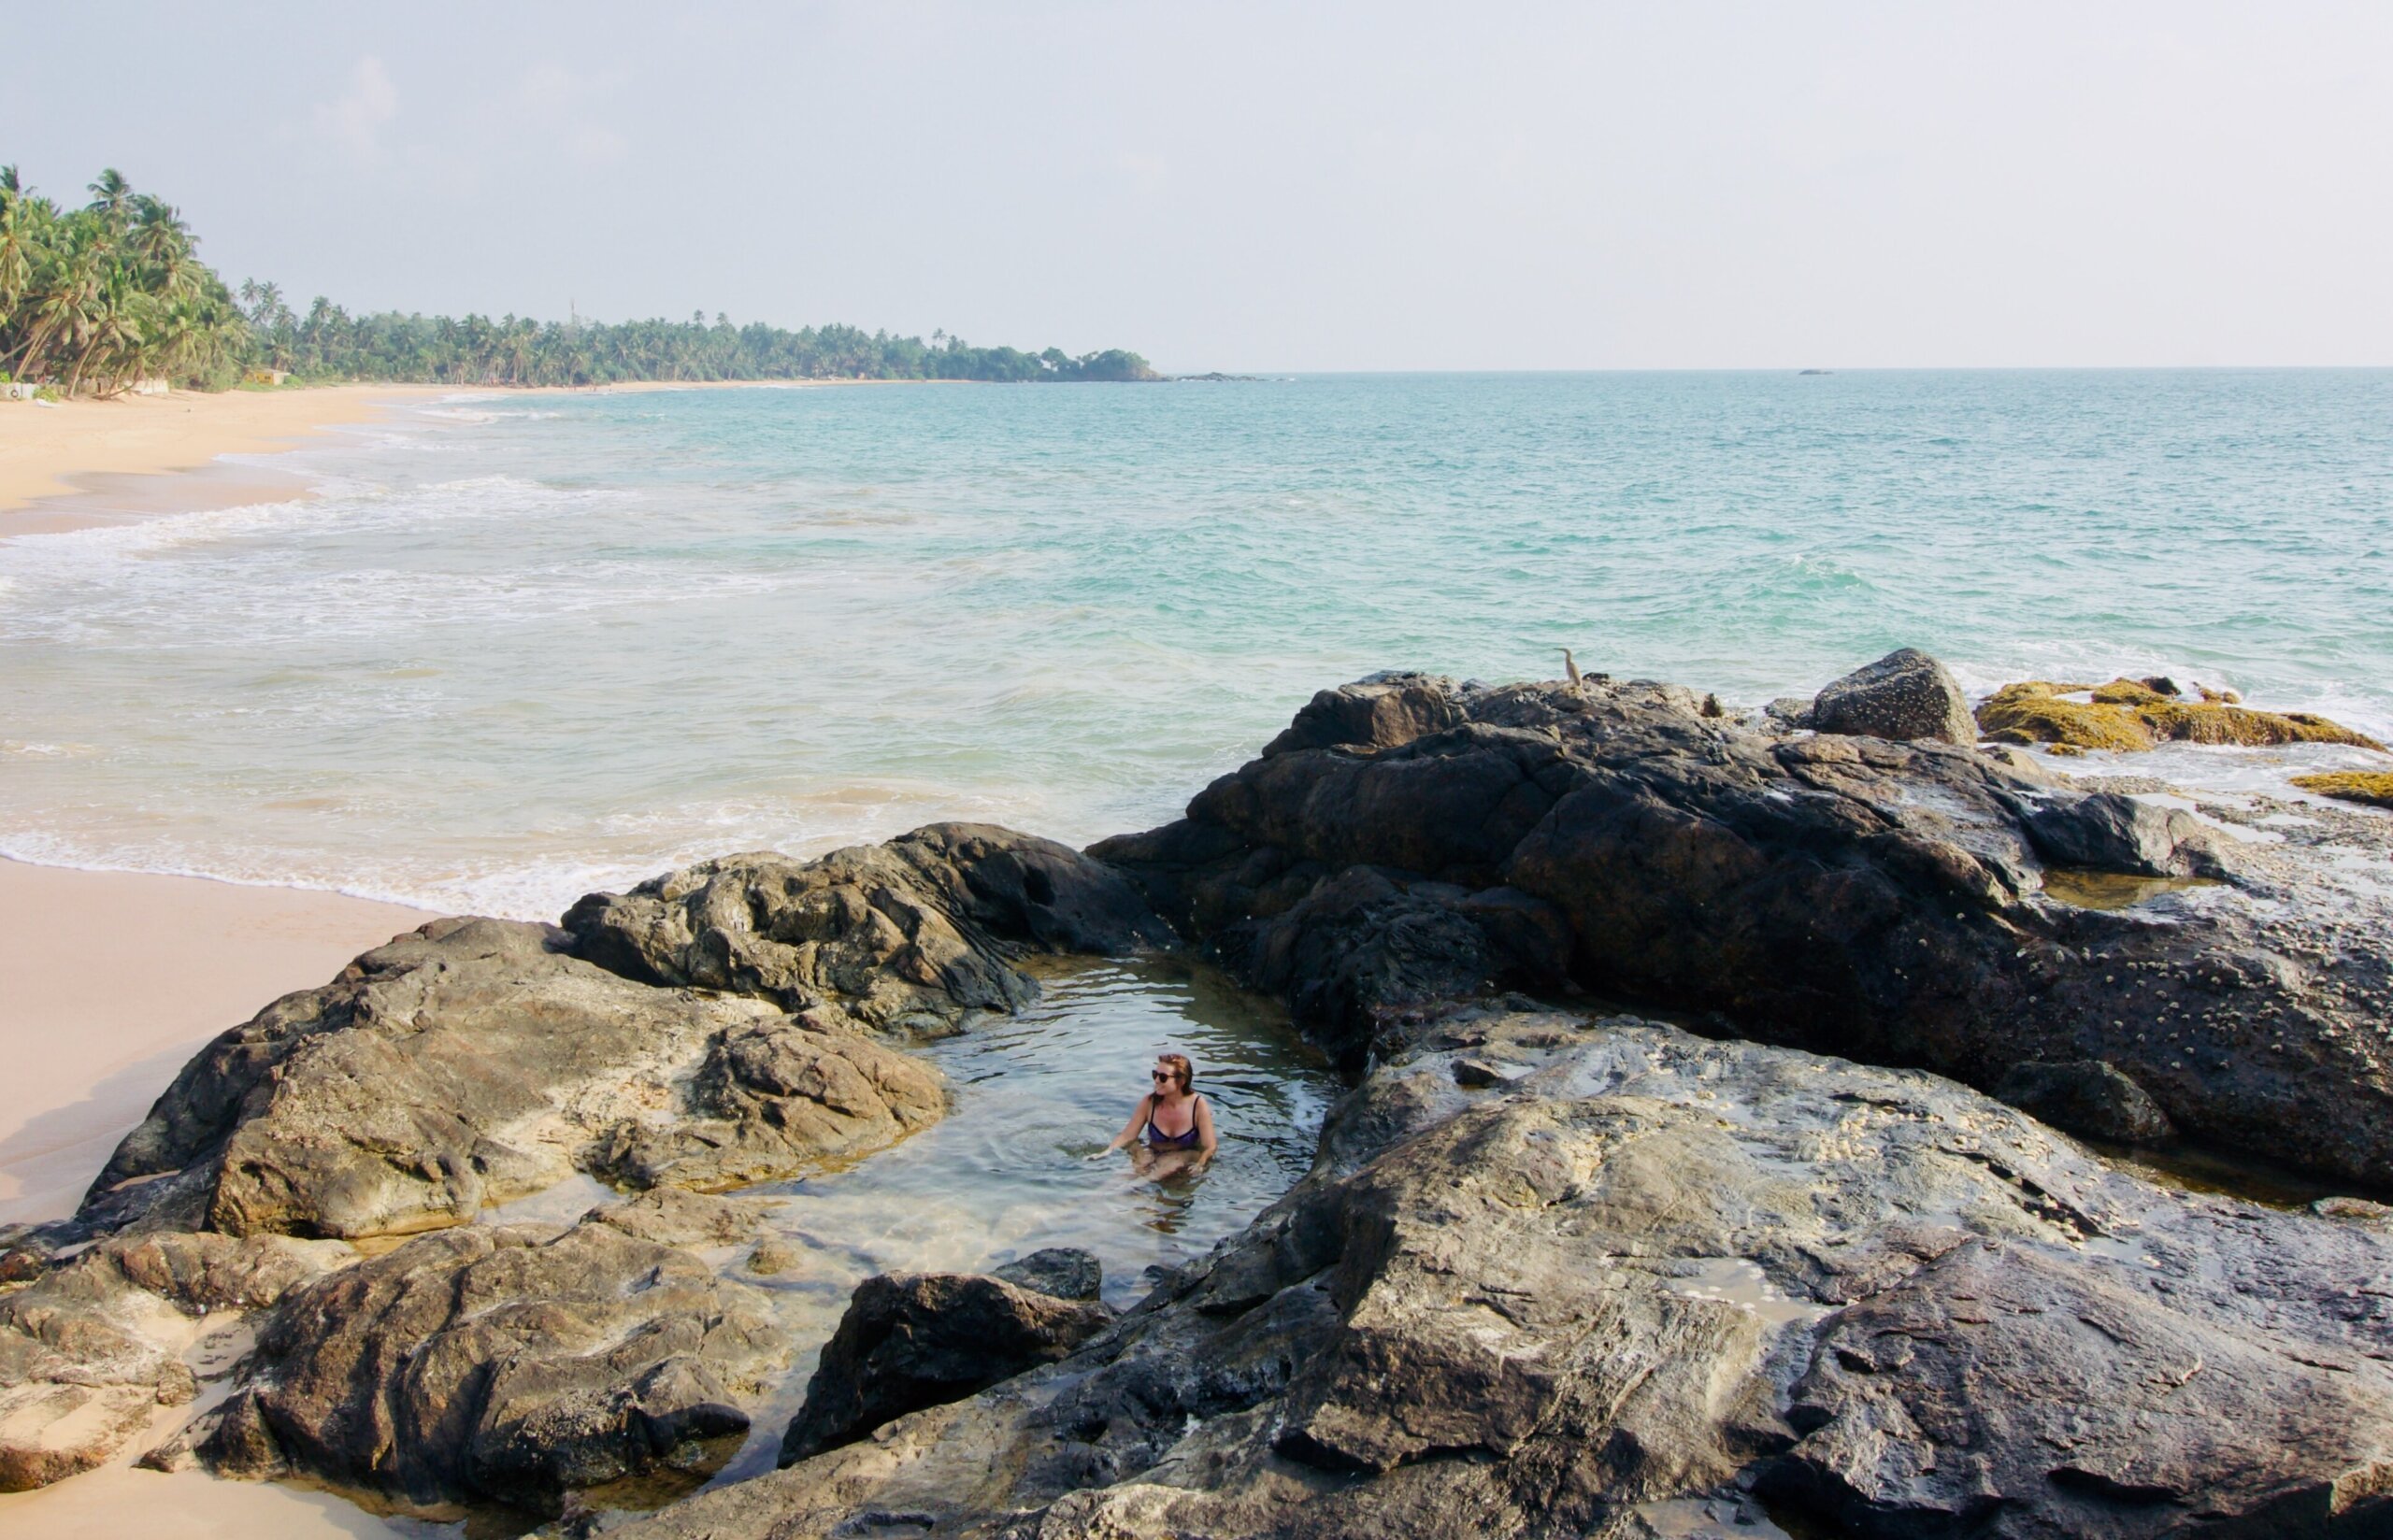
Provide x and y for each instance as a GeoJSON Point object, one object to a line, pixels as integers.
{"type": "Point", "coordinates": [1887, 901]}
{"type": "Point", "coordinates": [1652, 1268]}
{"type": "Point", "coordinates": [912, 1340]}
{"type": "Point", "coordinates": [498, 1365]}
{"type": "Point", "coordinates": [1904, 695]}
{"type": "Point", "coordinates": [2086, 1097]}
{"type": "Point", "coordinates": [1066, 1272]}
{"type": "Point", "coordinates": [91, 1350]}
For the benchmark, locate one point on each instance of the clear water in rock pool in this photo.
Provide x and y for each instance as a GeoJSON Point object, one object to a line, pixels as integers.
{"type": "Point", "coordinates": [522, 646]}
{"type": "Point", "coordinates": [1009, 1170]}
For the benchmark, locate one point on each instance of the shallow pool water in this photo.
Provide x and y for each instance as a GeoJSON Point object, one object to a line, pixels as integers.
{"type": "Point", "coordinates": [1032, 1099]}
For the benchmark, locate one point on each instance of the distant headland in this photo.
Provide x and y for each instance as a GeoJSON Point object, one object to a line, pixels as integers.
{"type": "Point", "coordinates": [111, 298]}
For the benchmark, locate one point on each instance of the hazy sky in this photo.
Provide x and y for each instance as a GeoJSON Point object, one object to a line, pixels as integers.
{"type": "Point", "coordinates": [1224, 186]}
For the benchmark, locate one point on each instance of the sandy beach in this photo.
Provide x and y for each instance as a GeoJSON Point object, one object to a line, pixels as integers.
{"type": "Point", "coordinates": [61, 450]}
{"type": "Point", "coordinates": [108, 980]}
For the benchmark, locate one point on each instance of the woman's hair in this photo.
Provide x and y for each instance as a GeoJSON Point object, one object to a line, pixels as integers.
{"type": "Point", "coordinates": [1177, 1064]}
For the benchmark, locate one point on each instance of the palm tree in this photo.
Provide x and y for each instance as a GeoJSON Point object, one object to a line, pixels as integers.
{"type": "Point", "coordinates": [111, 198]}
{"type": "Point", "coordinates": [18, 243]}
{"type": "Point", "coordinates": [112, 334]}
{"type": "Point", "coordinates": [163, 241]}
{"type": "Point", "coordinates": [64, 296]}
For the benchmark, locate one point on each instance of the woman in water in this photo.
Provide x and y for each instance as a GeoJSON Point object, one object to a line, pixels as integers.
{"type": "Point", "coordinates": [1178, 1124]}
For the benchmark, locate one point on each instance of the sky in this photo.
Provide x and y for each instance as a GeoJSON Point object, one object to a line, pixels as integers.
{"type": "Point", "coordinates": [1284, 187]}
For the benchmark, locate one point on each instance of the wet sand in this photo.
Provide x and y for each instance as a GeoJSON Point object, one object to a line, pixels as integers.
{"type": "Point", "coordinates": [73, 449]}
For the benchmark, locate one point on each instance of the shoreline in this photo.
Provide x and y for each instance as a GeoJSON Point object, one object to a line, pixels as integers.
{"type": "Point", "coordinates": [125, 454]}
{"type": "Point", "coordinates": [76, 465]}
{"type": "Point", "coordinates": [110, 980]}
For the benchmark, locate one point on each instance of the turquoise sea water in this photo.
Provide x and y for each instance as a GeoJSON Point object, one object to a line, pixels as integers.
{"type": "Point", "coordinates": [522, 646]}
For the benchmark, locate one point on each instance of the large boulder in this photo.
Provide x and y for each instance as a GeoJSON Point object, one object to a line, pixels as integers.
{"type": "Point", "coordinates": [499, 1364]}
{"type": "Point", "coordinates": [91, 1347]}
{"type": "Point", "coordinates": [916, 933]}
{"type": "Point", "coordinates": [476, 1059]}
{"type": "Point", "coordinates": [1887, 901]}
{"type": "Point", "coordinates": [912, 1340]}
{"type": "Point", "coordinates": [1649, 1275]}
{"type": "Point", "coordinates": [1904, 695]}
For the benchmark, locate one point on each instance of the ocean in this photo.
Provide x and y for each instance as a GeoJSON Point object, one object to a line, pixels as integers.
{"type": "Point", "coordinates": [520, 647]}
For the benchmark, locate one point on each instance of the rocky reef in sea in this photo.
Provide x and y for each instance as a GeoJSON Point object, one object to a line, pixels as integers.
{"type": "Point", "coordinates": [1742, 1133]}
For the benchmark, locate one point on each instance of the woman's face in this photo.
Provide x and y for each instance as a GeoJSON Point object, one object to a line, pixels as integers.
{"type": "Point", "coordinates": [1165, 1081]}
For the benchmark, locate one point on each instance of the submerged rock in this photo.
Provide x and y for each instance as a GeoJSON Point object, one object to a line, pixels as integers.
{"type": "Point", "coordinates": [93, 1347]}
{"type": "Point", "coordinates": [914, 934]}
{"type": "Point", "coordinates": [1904, 695]}
{"type": "Point", "coordinates": [475, 1060]}
{"type": "Point", "coordinates": [1654, 1267]}
{"type": "Point", "coordinates": [499, 1364]}
{"type": "Point", "coordinates": [1877, 899]}
{"type": "Point", "coordinates": [912, 1340]}
{"type": "Point", "coordinates": [1066, 1272]}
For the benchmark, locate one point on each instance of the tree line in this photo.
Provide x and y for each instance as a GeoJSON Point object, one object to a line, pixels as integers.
{"type": "Point", "coordinates": [96, 299]}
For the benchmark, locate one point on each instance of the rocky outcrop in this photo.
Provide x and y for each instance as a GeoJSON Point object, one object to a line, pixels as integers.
{"type": "Point", "coordinates": [498, 1365]}
{"type": "Point", "coordinates": [773, 1096]}
{"type": "Point", "coordinates": [1904, 695]}
{"type": "Point", "coordinates": [915, 933]}
{"type": "Point", "coordinates": [1887, 901]}
{"type": "Point", "coordinates": [912, 1340]}
{"type": "Point", "coordinates": [475, 1060]}
{"type": "Point", "coordinates": [93, 1347]}
{"type": "Point", "coordinates": [1650, 1271]}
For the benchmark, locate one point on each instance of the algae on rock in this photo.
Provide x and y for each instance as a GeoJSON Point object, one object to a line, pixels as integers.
{"type": "Point", "coordinates": [2130, 716]}
{"type": "Point", "coordinates": [2373, 786]}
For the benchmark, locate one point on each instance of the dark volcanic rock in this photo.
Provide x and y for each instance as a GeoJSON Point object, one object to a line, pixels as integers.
{"type": "Point", "coordinates": [2109, 832]}
{"type": "Point", "coordinates": [914, 934]}
{"type": "Point", "coordinates": [93, 1347]}
{"type": "Point", "coordinates": [1378, 712]}
{"type": "Point", "coordinates": [1905, 694]}
{"type": "Point", "coordinates": [1877, 899]}
{"type": "Point", "coordinates": [474, 1059]}
{"type": "Point", "coordinates": [2086, 1096]}
{"type": "Point", "coordinates": [912, 1340]}
{"type": "Point", "coordinates": [1066, 1272]}
{"type": "Point", "coordinates": [497, 1363]}
{"type": "Point", "coordinates": [1653, 1270]}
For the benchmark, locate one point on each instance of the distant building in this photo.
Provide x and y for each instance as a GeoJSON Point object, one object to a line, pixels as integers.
{"type": "Point", "coordinates": [268, 376]}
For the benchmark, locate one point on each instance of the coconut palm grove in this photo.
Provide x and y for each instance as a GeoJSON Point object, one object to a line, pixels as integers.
{"type": "Point", "coordinates": [99, 299]}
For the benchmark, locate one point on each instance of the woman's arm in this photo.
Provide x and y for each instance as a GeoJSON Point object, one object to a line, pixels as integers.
{"type": "Point", "coordinates": [1130, 1129]}
{"type": "Point", "coordinates": [1205, 1142]}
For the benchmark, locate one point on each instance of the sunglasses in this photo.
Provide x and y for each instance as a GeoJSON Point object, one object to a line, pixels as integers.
{"type": "Point", "coordinates": [1164, 1076]}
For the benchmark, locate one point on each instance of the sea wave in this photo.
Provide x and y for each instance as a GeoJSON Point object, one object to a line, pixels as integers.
{"type": "Point", "coordinates": [511, 650]}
